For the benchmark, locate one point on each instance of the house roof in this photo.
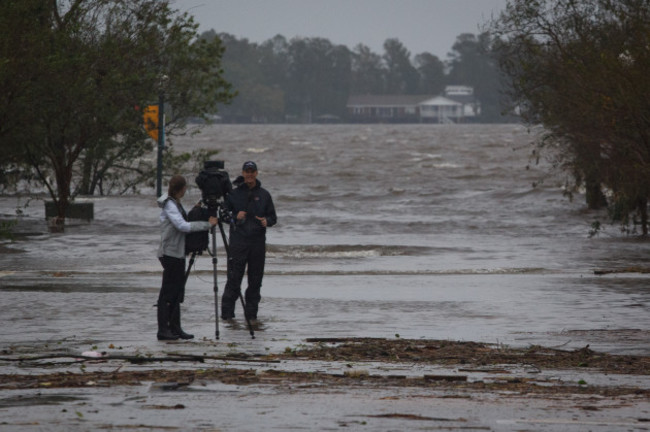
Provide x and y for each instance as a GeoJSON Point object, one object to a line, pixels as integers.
{"type": "Point", "coordinates": [440, 100]}
{"type": "Point", "coordinates": [393, 101]}
{"type": "Point", "coordinates": [464, 99]}
{"type": "Point", "coordinates": [386, 100]}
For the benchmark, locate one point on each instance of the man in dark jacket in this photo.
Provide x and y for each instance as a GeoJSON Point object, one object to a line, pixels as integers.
{"type": "Point", "coordinates": [253, 211]}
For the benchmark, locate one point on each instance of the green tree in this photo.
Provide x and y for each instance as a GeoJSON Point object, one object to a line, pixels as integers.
{"type": "Point", "coordinates": [318, 78]}
{"type": "Point", "coordinates": [19, 52]}
{"type": "Point", "coordinates": [335, 96]}
{"type": "Point", "coordinates": [579, 69]}
{"type": "Point", "coordinates": [274, 64]}
{"type": "Point", "coordinates": [432, 73]}
{"type": "Point", "coordinates": [274, 60]}
{"type": "Point", "coordinates": [367, 71]}
{"type": "Point", "coordinates": [401, 75]}
{"type": "Point", "coordinates": [256, 100]}
{"type": "Point", "coordinates": [94, 63]}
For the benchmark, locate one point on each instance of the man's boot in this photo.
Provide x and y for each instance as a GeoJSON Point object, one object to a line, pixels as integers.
{"type": "Point", "coordinates": [227, 305]}
{"type": "Point", "coordinates": [175, 323]}
{"type": "Point", "coordinates": [227, 312]}
{"type": "Point", "coordinates": [164, 314]}
{"type": "Point", "coordinates": [251, 311]}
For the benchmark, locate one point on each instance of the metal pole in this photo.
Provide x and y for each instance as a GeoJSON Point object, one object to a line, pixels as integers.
{"type": "Point", "coordinates": [161, 139]}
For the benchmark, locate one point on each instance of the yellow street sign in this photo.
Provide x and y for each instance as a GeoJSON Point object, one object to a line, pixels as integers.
{"type": "Point", "coordinates": [151, 121]}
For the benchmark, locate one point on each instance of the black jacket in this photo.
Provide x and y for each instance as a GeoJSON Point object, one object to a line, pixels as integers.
{"type": "Point", "coordinates": [255, 202]}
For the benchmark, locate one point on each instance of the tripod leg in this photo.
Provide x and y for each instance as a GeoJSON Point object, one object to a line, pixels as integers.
{"type": "Point", "coordinates": [216, 287]}
{"type": "Point", "coordinates": [248, 321]}
{"type": "Point", "coordinates": [189, 267]}
{"type": "Point", "coordinates": [241, 297]}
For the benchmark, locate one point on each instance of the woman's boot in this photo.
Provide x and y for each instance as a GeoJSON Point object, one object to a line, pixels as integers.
{"type": "Point", "coordinates": [164, 315]}
{"type": "Point", "coordinates": [175, 323]}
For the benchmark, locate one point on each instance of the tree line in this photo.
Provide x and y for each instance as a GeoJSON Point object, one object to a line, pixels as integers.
{"type": "Point", "coordinates": [301, 79]}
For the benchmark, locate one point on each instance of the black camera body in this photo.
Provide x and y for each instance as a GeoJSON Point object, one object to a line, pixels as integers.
{"type": "Point", "coordinates": [214, 183]}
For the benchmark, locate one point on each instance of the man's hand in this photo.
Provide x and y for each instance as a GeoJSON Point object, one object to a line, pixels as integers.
{"type": "Point", "coordinates": [262, 220]}
{"type": "Point", "coordinates": [241, 215]}
{"type": "Point", "coordinates": [213, 220]}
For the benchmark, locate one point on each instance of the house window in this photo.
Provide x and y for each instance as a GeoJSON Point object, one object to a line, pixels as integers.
{"type": "Point", "coordinates": [429, 110]}
{"type": "Point", "coordinates": [384, 112]}
{"type": "Point", "coordinates": [450, 111]}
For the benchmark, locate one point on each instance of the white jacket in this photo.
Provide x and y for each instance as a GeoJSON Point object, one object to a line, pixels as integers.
{"type": "Point", "coordinates": [173, 228]}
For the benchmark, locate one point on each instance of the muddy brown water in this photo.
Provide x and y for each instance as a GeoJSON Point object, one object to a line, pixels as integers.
{"type": "Point", "coordinates": [387, 231]}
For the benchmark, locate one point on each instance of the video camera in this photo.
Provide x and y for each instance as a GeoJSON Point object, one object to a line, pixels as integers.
{"type": "Point", "coordinates": [214, 183]}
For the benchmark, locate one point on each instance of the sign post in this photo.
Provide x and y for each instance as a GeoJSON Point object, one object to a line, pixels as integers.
{"type": "Point", "coordinates": [161, 140]}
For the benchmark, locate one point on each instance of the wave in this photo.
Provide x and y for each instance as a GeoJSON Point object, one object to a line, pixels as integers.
{"type": "Point", "coordinates": [442, 272]}
{"type": "Point", "coordinates": [444, 165]}
{"type": "Point", "coordinates": [53, 278]}
{"type": "Point", "coordinates": [297, 142]}
{"type": "Point", "coordinates": [257, 150]}
{"type": "Point", "coordinates": [343, 251]}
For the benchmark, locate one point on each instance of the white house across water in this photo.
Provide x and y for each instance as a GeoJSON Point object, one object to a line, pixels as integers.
{"type": "Point", "coordinates": [456, 105]}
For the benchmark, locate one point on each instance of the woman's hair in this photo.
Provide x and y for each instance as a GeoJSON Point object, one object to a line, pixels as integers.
{"type": "Point", "coordinates": [176, 185]}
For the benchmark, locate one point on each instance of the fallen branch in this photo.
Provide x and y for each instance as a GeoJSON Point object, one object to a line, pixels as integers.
{"type": "Point", "coordinates": [235, 358]}
{"type": "Point", "coordinates": [137, 359]}
{"type": "Point", "coordinates": [81, 358]}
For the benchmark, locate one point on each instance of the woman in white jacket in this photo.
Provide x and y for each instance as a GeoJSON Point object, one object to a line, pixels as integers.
{"type": "Point", "coordinates": [171, 253]}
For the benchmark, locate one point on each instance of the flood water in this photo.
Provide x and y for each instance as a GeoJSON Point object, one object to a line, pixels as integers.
{"type": "Point", "coordinates": [413, 231]}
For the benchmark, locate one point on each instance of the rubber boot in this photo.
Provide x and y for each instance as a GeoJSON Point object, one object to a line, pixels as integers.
{"type": "Point", "coordinates": [164, 314]}
{"type": "Point", "coordinates": [227, 308]}
{"type": "Point", "coordinates": [175, 323]}
{"type": "Point", "coordinates": [251, 311]}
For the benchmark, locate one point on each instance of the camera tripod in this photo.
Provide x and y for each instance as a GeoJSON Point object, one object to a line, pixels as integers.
{"type": "Point", "coordinates": [213, 253]}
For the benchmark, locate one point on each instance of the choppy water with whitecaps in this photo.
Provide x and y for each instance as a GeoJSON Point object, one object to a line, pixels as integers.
{"type": "Point", "coordinates": [421, 231]}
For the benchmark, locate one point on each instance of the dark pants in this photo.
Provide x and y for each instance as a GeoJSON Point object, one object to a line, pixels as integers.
{"type": "Point", "coordinates": [242, 253]}
{"type": "Point", "coordinates": [172, 290]}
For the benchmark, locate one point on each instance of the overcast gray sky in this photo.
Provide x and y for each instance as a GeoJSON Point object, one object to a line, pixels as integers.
{"type": "Point", "coordinates": [421, 25]}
